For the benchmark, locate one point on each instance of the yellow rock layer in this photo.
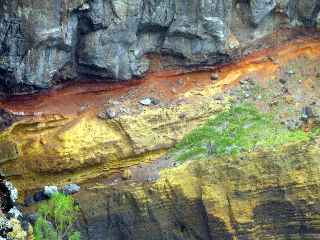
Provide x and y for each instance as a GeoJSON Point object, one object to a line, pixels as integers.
{"type": "Point", "coordinates": [57, 149]}
{"type": "Point", "coordinates": [263, 195]}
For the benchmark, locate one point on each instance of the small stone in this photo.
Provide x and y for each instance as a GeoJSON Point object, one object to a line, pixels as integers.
{"type": "Point", "coordinates": [39, 196]}
{"type": "Point", "coordinates": [290, 72]}
{"type": "Point", "coordinates": [146, 102]}
{"type": "Point", "coordinates": [242, 82]}
{"type": "Point", "coordinates": [282, 81]}
{"type": "Point", "coordinates": [173, 90]}
{"type": "Point", "coordinates": [71, 188]}
{"type": "Point", "coordinates": [246, 95]}
{"type": "Point", "coordinates": [155, 101]}
{"type": "Point", "coordinates": [110, 113]}
{"type": "Point", "coordinates": [214, 76]}
{"type": "Point", "coordinates": [14, 212]}
{"type": "Point", "coordinates": [101, 115]}
{"type": "Point", "coordinates": [83, 108]}
{"type": "Point", "coordinates": [127, 174]}
{"type": "Point", "coordinates": [307, 113]}
{"type": "Point", "coordinates": [49, 191]}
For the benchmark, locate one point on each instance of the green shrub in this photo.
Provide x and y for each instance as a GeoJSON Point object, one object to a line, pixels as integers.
{"type": "Point", "coordinates": [241, 129]}
{"type": "Point", "coordinates": [56, 219]}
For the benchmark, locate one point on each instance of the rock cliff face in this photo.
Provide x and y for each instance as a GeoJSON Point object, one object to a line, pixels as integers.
{"type": "Point", "coordinates": [72, 137]}
{"type": "Point", "coordinates": [45, 42]}
{"type": "Point", "coordinates": [256, 196]}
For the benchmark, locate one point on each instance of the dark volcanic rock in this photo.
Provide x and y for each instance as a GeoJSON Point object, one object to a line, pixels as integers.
{"type": "Point", "coordinates": [303, 12]}
{"type": "Point", "coordinates": [6, 119]}
{"type": "Point", "coordinates": [260, 9]}
{"type": "Point", "coordinates": [43, 42]}
{"type": "Point", "coordinates": [36, 41]}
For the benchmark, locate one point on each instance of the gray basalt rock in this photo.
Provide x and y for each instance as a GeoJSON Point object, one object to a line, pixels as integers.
{"type": "Point", "coordinates": [45, 42]}
{"type": "Point", "coordinates": [303, 12]}
{"type": "Point", "coordinates": [36, 40]}
{"type": "Point", "coordinates": [260, 9]}
{"type": "Point", "coordinates": [105, 52]}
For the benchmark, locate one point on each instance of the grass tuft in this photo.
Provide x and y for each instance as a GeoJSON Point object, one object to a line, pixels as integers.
{"type": "Point", "coordinates": [241, 129]}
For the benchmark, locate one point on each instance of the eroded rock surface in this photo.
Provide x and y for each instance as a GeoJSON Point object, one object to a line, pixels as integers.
{"type": "Point", "coordinates": [265, 195]}
{"type": "Point", "coordinates": [45, 42]}
{"type": "Point", "coordinates": [58, 139]}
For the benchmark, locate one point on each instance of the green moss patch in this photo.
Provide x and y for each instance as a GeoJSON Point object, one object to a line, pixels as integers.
{"type": "Point", "coordinates": [241, 129]}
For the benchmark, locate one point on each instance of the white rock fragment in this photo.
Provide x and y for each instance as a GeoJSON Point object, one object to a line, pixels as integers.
{"type": "Point", "coordinates": [71, 189]}
{"type": "Point", "coordinates": [49, 191]}
{"type": "Point", "coordinates": [84, 7]}
{"type": "Point", "coordinates": [15, 212]}
{"type": "Point", "coordinates": [13, 191]}
{"type": "Point", "coordinates": [146, 101]}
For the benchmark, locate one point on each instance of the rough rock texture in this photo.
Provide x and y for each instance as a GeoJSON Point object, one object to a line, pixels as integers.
{"type": "Point", "coordinates": [304, 12]}
{"type": "Point", "coordinates": [6, 119]}
{"type": "Point", "coordinates": [260, 9]}
{"type": "Point", "coordinates": [84, 148]}
{"type": "Point", "coordinates": [37, 40]}
{"type": "Point", "coordinates": [258, 196]}
{"type": "Point", "coordinates": [55, 148]}
{"type": "Point", "coordinates": [44, 42]}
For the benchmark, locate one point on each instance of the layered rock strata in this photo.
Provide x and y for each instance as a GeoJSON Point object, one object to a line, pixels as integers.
{"type": "Point", "coordinates": [263, 195]}
{"type": "Point", "coordinates": [52, 144]}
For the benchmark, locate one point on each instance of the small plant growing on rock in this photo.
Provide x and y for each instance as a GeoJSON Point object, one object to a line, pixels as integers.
{"type": "Point", "coordinates": [56, 219]}
{"type": "Point", "coordinates": [241, 129]}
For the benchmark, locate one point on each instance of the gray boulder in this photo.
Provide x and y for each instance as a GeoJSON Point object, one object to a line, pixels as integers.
{"type": "Point", "coordinates": [70, 189]}
{"type": "Point", "coordinates": [49, 191]}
